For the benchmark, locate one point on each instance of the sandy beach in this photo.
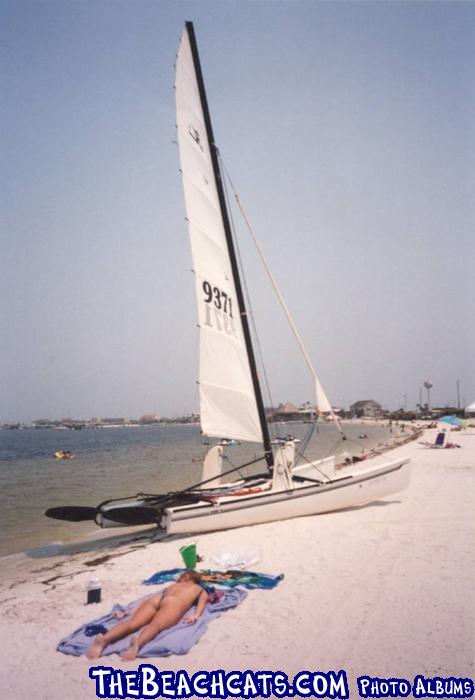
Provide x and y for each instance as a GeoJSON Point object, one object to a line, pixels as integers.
{"type": "Point", "coordinates": [385, 590]}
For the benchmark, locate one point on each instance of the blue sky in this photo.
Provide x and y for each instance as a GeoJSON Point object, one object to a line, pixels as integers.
{"type": "Point", "coordinates": [348, 130]}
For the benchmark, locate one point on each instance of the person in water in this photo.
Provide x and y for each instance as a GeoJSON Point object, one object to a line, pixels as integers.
{"type": "Point", "coordinates": [153, 615]}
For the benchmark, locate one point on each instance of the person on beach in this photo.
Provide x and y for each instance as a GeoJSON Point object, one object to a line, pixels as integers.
{"type": "Point", "coordinates": [155, 614]}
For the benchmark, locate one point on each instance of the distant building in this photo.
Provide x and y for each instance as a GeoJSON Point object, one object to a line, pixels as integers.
{"type": "Point", "coordinates": [285, 412]}
{"type": "Point", "coordinates": [150, 418]}
{"type": "Point", "coordinates": [366, 409]}
{"type": "Point", "coordinates": [112, 421]}
{"type": "Point", "coordinates": [45, 423]}
{"type": "Point", "coordinates": [73, 424]}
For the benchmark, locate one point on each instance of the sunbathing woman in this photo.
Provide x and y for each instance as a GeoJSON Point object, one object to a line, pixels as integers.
{"type": "Point", "coordinates": [153, 615]}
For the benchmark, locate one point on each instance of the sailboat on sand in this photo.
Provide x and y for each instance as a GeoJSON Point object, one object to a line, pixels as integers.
{"type": "Point", "coordinates": [231, 404]}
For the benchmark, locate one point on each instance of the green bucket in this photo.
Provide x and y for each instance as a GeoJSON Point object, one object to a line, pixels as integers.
{"type": "Point", "coordinates": [188, 554]}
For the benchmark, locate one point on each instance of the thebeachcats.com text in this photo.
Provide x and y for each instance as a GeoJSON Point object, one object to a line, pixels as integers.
{"type": "Point", "coordinates": [149, 682]}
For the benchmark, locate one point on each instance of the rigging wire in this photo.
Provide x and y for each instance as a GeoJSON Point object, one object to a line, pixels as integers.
{"type": "Point", "coordinates": [320, 394]}
{"type": "Point", "coordinates": [304, 444]}
{"type": "Point", "coordinates": [227, 178]}
{"type": "Point", "coordinates": [250, 311]}
{"type": "Point", "coordinates": [300, 453]}
{"type": "Point", "coordinates": [238, 469]}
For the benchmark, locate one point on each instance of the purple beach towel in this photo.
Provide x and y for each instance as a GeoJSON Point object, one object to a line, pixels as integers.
{"type": "Point", "coordinates": [176, 640]}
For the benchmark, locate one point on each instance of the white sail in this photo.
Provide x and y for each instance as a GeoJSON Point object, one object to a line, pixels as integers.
{"type": "Point", "coordinates": [227, 400]}
{"type": "Point", "coordinates": [323, 404]}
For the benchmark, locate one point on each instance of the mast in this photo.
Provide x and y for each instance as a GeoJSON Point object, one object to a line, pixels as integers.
{"type": "Point", "coordinates": [230, 244]}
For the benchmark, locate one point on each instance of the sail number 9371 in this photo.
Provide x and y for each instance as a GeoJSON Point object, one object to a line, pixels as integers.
{"type": "Point", "coordinates": [218, 310]}
{"type": "Point", "coordinates": [220, 299]}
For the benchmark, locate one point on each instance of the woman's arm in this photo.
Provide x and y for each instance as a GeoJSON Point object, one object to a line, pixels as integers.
{"type": "Point", "coordinates": [200, 608]}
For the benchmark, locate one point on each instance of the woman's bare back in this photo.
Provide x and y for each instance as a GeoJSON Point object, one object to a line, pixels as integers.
{"type": "Point", "coordinates": [183, 593]}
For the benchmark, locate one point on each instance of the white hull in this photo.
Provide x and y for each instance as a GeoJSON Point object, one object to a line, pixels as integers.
{"type": "Point", "coordinates": [342, 492]}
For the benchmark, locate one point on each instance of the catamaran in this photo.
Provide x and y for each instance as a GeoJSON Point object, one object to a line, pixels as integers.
{"type": "Point", "coordinates": [231, 404]}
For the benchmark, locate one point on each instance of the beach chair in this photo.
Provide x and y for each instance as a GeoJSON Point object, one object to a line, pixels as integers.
{"type": "Point", "coordinates": [440, 439]}
{"type": "Point", "coordinates": [439, 442]}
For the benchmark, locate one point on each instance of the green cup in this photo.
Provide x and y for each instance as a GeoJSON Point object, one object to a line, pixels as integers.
{"type": "Point", "coordinates": [188, 554]}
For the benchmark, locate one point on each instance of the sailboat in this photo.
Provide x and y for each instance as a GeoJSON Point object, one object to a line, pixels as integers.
{"type": "Point", "coordinates": [231, 403]}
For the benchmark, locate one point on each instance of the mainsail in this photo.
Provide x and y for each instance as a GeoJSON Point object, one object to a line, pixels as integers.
{"type": "Point", "coordinates": [228, 404]}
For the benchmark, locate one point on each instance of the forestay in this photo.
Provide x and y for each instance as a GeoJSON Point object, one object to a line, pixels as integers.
{"type": "Point", "coordinates": [227, 400]}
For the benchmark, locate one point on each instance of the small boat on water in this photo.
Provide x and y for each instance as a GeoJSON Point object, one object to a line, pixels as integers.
{"type": "Point", "coordinates": [284, 440]}
{"type": "Point", "coordinates": [231, 403]}
{"type": "Point", "coordinates": [64, 454]}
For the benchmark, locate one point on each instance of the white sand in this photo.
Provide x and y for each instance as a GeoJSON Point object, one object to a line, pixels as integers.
{"type": "Point", "coordinates": [385, 590]}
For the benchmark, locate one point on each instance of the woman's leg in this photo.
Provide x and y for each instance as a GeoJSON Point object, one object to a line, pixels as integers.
{"type": "Point", "coordinates": [144, 614]}
{"type": "Point", "coordinates": [169, 613]}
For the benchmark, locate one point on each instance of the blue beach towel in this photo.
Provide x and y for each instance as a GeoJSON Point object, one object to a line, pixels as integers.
{"type": "Point", "coordinates": [176, 640]}
{"type": "Point", "coordinates": [230, 579]}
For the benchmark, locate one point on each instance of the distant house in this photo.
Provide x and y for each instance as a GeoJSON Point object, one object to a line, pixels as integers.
{"type": "Point", "coordinates": [366, 409]}
{"type": "Point", "coordinates": [45, 423]}
{"type": "Point", "coordinates": [150, 419]}
{"type": "Point", "coordinates": [73, 423]}
{"type": "Point", "coordinates": [113, 421]}
{"type": "Point", "coordinates": [285, 412]}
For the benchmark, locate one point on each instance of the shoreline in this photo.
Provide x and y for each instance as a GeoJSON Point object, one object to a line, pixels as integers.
{"type": "Point", "coordinates": [109, 544]}
{"type": "Point", "coordinates": [48, 534]}
{"type": "Point", "coordinates": [382, 590]}
{"type": "Point", "coordinates": [87, 539]}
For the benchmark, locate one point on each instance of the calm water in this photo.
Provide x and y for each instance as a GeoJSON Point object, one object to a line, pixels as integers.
{"type": "Point", "coordinates": [116, 462]}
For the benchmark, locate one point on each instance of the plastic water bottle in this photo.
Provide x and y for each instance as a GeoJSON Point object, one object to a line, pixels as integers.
{"type": "Point", "coordinates": [93, 591]}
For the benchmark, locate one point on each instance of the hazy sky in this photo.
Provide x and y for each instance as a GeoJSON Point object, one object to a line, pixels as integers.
{"type": "Point", "coordinates": [348, 129]}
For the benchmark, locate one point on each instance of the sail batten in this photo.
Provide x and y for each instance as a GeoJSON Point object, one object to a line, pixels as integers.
{"type": "Point", "coordinates": [228, 404]}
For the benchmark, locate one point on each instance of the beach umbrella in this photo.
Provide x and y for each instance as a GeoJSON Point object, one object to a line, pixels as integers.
{"type": "Point", "coordinates": [453, 420]}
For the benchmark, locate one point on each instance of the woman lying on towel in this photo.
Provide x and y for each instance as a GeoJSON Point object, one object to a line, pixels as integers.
{"type": "Point", "coordinates": [157, 613]}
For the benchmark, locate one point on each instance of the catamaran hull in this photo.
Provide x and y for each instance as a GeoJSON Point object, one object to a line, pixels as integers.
{"type": "Point", "coordinates": [345, 492]}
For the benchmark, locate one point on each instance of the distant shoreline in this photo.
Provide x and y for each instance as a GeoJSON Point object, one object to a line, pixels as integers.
{"type": "Point", "coordinates": [170, 423]}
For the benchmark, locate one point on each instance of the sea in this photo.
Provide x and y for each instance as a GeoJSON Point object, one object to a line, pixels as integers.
{"type": "Point", "coordinates": [117, 462]}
